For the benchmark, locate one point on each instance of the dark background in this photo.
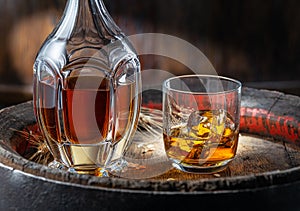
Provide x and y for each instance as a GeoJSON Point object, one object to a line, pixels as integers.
{"type": "Point", "coordinates": [257, 42]}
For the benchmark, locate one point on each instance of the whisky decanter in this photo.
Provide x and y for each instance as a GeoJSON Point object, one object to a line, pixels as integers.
{"type": "Point", "coordinates": [87, 88]}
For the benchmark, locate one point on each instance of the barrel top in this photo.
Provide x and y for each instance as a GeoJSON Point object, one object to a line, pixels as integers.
{"type": "Point", "coordinates": [268, 152]}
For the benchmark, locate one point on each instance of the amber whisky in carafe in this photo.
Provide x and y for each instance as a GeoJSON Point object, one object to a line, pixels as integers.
{"type": "Point", "coordinates": [87, 87]}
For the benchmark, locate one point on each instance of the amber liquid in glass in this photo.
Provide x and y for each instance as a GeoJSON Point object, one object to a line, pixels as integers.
{"type": "Point", "coordinates": [86, 111]}
{"type": "Point", "coordinates": [83, 127]}
{"type": "Point", "coordinates": [206, 140]}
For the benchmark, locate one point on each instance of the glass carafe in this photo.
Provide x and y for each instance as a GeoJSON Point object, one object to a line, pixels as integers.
{"type": "Point", "coordinates": [87, 90]}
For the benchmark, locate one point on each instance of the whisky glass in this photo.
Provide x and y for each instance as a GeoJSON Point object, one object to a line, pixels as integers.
{"type": "Point", "coordinates": [201, 121]}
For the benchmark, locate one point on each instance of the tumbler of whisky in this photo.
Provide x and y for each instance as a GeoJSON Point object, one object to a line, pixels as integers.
{"type": "Point", "coordinates": [201, 121]}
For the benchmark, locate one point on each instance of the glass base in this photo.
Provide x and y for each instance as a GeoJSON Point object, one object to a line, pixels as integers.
{"type": "Point", "coordinates": [117, 168]}
{"type": "Point", "coordinates": [208, 169]}
{"type": "Point", "coordinates": [98, 172]}
{"type": "Point", "coordinates": [57, 165]}
{"type": "Point", "coordinates": [90, 170]}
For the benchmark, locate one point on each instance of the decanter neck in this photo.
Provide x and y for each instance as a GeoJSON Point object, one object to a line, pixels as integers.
{"type": "Point", "coordinates": [82, 17]}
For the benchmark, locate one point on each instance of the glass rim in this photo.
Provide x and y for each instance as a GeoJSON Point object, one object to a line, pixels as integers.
{"type": "Point", "coordinates": [233, 81]}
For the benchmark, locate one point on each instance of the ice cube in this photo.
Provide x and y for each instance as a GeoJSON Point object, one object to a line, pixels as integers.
{"type": "Point", "coordinates": [229, 124]}
{"type": "Point", "coordinates": [196, 118]}
{"type": "Point", "coordinates": [218, 122]}
{"type": "Point", "coordinates": [199, 125]}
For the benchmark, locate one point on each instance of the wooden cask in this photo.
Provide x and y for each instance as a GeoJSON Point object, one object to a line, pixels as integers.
{"type": "Point", "coordinates": [264, 175]}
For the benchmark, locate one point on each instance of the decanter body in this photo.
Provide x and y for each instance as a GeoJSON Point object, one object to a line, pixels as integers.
{"type": "Point", "coordinates": [87, 89]}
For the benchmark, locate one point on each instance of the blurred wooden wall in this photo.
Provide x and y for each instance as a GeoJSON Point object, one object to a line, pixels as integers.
{"type": "Point", "coordinates": [252, 40]}
{"type": "Point", "coordinates": [249, 40]}
{"type": "Point", "coordinates": [24, 25]}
